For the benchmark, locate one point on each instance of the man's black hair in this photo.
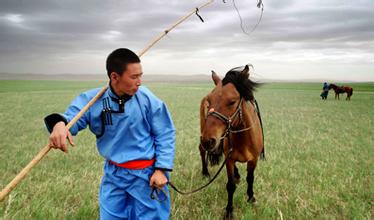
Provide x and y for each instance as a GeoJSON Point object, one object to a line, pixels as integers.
{"type": "Point", "coordinates": [117, 61]}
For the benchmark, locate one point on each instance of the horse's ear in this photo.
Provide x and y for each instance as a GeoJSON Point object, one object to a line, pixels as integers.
{"type": "Point", "coordinates": [215, 78]}
{"type": "Point", "coordinates": [245, 72]}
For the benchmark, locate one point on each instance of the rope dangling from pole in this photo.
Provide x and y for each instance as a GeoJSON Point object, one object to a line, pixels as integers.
{"type": "Point", "coordinates": [197, 13]}
{"type": "Point", "coordinates": [259, 5]}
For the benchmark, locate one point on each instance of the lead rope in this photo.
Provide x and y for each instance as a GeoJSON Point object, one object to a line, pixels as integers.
{"type": "Point", "coordinates": [210, 181]}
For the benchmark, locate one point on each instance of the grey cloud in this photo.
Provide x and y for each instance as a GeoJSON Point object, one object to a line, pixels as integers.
{"type": "Point", "coordinates": [51, 28]}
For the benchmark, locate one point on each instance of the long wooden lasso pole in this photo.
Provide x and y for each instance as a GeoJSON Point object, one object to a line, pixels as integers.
{"type": "Point", "coordinates": [21, 175]}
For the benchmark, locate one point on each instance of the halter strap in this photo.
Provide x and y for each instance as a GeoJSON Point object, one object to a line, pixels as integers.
{"type": "Point", "coordinates": [229, 120]}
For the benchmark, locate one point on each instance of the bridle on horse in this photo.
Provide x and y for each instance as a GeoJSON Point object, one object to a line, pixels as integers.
{"type": "Point", "coordinates": [229, 121]}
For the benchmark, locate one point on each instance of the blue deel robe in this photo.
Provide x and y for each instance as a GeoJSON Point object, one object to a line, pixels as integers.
{"type": "Point", "coordinates": [141, 130]}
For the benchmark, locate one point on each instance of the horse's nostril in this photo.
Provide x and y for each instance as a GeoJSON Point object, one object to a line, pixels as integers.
{"type": "Point", "coordinates": [208, 143]}
{"type": "Point", "coordinates": [212, 142]}
{"type": "Point", "coordinates": [204, 144]}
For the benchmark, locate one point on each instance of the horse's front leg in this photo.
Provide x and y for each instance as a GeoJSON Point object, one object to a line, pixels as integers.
{"type": "Point", "coordinates": [251, 166]}
{"type": "Point", "coordinates": [230, 186]}
{"type": "Point", "coordinates": [236, 175]}
{"type": "Point", "coordinates": [204, 161]}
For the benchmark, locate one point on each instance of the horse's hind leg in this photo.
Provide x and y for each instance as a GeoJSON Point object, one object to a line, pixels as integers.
{"type": "Point", "coordinates": [204, 161]}
{"type": "Point", "coordinates": [251, 166]}
{"type": "Point", "coordinates": [230, 186]}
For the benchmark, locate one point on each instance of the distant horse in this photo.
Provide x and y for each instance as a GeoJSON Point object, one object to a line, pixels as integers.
{"type": "Point", "coordinates": [231, 125]}
{"type": "Point", "coordinates": [341, 89]}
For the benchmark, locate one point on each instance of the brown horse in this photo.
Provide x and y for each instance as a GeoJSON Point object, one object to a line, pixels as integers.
{"type": "Point", "coordinates": [231, 125]}
{"type": "Point", "coordinates": [341, 89]}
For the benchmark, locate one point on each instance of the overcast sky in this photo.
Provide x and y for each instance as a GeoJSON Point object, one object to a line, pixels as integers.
{"type": "Point", "coordinates": [309, 39]}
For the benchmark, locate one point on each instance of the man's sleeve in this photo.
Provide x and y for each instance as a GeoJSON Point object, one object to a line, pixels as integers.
{"type": "Point", "coordinates": [163, 131]}
{"type": "Point", "coordinates": [74, 108]}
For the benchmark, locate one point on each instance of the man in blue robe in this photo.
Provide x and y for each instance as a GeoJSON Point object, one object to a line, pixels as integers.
{"type": "Point", "coordinates": [134, 133]}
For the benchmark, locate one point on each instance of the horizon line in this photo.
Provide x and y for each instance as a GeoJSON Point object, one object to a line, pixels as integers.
{"type": "Point", "coordinates": [198, 77]}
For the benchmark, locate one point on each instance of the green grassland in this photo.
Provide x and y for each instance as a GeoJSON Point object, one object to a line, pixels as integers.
{"type": "Point", "coordinates": [320, 155]}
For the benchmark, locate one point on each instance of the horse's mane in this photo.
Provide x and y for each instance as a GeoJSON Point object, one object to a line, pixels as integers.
{"type": "Point", "coordinates": [245, 86]}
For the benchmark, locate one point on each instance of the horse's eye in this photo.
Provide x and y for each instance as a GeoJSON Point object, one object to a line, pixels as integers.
{"type": "Point", "coordinates": [232, 103]}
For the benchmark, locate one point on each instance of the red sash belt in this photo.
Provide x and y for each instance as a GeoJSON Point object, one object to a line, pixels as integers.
{"type": "Point", "coordinates": [135, 164]}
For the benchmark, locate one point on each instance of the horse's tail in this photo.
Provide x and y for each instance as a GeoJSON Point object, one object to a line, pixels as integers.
{"type": "Point", "coordinates": [351, 92]}
{"type": "Point", "coordinates": [262, 155]}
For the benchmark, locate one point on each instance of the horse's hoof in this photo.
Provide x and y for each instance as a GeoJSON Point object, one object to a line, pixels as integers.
{"type": "Point", "coordinates": [252, 200]}
{"type": "Point", "coordinates": [206, 174]}
{"type": "Point", "coordinates": [229, 216]}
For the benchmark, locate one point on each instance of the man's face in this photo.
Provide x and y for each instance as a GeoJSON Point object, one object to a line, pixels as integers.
{"type": "Point", "coordinates": [129, 81]}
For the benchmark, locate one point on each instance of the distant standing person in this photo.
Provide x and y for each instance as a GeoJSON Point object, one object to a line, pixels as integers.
{"type": "Point", "coordinates": [325, 91]}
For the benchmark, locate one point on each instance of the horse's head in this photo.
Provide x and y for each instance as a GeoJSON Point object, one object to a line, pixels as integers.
{"type": "Point", "coordinates": [223, 106]}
